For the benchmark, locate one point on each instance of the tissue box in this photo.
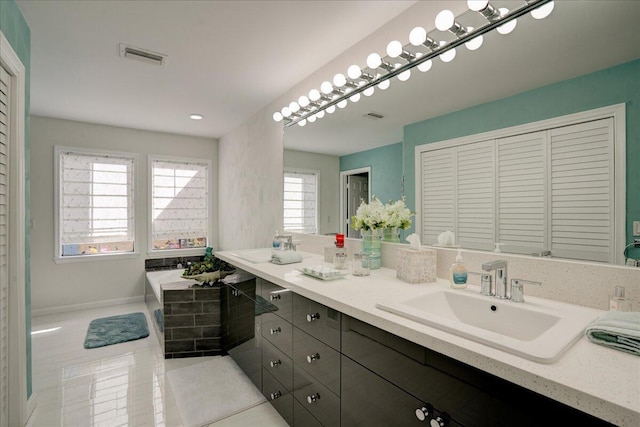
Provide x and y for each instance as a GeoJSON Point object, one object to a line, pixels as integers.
{"type": "Point", "coordinates": [416, 266]}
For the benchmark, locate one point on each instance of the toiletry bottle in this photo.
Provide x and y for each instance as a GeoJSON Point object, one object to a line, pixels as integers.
{"type": "Point", "coordinates": [618, 302]}
{"type": "Point", "coordinates": [340, 258]}
{"type": "Point", "coordinates": [276, 243]}
{"type": "Point", "coordinates": [458, 273]}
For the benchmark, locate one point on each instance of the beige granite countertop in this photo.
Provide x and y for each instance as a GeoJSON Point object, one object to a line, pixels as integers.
{"type": "Point", "coordinates": [592, 378]}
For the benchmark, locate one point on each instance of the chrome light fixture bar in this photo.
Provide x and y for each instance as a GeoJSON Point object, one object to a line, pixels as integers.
{"type": "Point", "coordinates": [380, 70]}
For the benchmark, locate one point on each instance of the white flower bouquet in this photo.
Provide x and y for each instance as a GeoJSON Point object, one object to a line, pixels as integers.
{"type": "Point", "coordinates": [375, 215]}
{"type": "Point", "coordinates": [398, 215]}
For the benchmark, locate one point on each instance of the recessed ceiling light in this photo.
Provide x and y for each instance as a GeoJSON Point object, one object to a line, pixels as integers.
{"type": "Point", "coordinates": [196, 116]}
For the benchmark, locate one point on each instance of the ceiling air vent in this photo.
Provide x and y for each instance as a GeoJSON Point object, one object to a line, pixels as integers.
{"type": "Point", "coordinates": [374, 116]}
{"type": "Point", "coordinates": [143, 55]}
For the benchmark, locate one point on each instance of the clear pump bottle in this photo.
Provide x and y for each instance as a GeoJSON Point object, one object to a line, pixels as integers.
{"type": "Point", "coordinates": [618, 302]}
{"type": "Point", "coordinates": [458, 274]}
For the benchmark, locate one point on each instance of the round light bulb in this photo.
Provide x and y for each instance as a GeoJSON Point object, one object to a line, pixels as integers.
{"type": "Point", "coordinates": [368, 91]}
{"type": "Point", "coordinates": [294, 107]}
{"type": "Point", "coordinates": [404, 76]}
{"type": "Point", "coordinates": [286, 112]}
{"type": "Point", "coordinates": [331, 109]}
{"type": "Point", "coordinates": [384, 85]}
{"type": "Point", "coordinates": [477, 5]}
{"type": "Point", "coordinates": [354, 72]}
{"type": "Point", "coordinates": [374, 61]}
{"type": "Point", "coordinates": [303, 101]}
{"type": "Point", "coordinates": [314, 95]}
{"type": "Point", "coordinates": [339, 80]}
{"type": "Point", "coordinates": [342, 103]}
{"type": "Point", "coordinates": [448, 55]}
{"type": "Point", "coordinates": [326, 88]}
{"type": "Point", "coordinates": [425, 66]}
{"type": "Point", "coordinates": [277, 116]}
{"type": "Point", "coordinates": [311, 119]}
{"type": "Point", "coordinates": [474, 43]}
{"type": "Point", "coordinates": [195, 116]}
{"type": "Point", "coordinates": [445, 20]}
{"type": "Point", "coordinates": [509, 26]}
{"type": "Point", "coordinates": [302, 122]}
{"type": "Point", "coordinates": [320, 114]}
{"type": "Point", "coordinates": [417, 36]}
{"type": "Point", "coordinates": [543, 11]}
{"type": "Point", "coordinates": [394, 49]}
{"type": "Point", "coordinates": [355, 98]}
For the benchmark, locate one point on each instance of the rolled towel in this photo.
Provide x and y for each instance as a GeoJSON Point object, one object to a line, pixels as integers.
{"type": "Point", "coordinates": [616, 329]}
{"type": "Point", "coordinates": [285, 257]}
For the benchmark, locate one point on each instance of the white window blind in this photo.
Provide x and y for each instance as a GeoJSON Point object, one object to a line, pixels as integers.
{"type": "Point", "coordinates": [301, 201]}
{"type": "Point", "coordinates": [438, 193]}
{"type": "Point", "coordinates": [96, 202]}
{"type": "Point", "coordinates": [180, 204]}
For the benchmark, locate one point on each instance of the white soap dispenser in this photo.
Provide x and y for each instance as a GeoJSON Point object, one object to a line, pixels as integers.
{"type": "Point", "coordinates": [458, 274]}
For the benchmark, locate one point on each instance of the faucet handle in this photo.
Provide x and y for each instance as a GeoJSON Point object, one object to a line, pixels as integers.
{"type": "Point", "coordinates": [486, 287]}
{"type": "Point", "coordinates": [517, 288]}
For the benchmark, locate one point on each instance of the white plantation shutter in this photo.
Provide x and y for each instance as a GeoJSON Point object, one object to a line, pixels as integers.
{"type": "Point", "coordinates": [4, 261]}
{"type": "Point", "coordinates": [438, 193]}
{"type": "Point", "coordinates": [521, 193]}
{"type": "Point", "coordinates": [180, 203]}
{"type": "Point", "coordinates": [301, 201]}
{"type": "Point", "coordinates": [475, 190]}
{"type": "Point", "coordinates": [582, 191]}
{"type": "Point", "coordinates": [96, 199]}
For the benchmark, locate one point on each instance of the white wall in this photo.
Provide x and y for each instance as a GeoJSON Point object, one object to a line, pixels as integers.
{"type": "Point", "coordinates": [251, 183]}
{"type": "Point", "coordinates": [83, 284]}
{"type": "Point", "coordinates": [329, 188]}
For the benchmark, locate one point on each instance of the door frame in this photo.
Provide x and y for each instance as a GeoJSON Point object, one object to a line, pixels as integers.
{"type": "Point", "coordinates": [17, 387]}
{"type": "Point", "coordinates": [343, 194]}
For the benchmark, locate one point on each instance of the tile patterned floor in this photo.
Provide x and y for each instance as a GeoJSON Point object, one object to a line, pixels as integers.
{"type": "Point", "coordinates": [118, 385]}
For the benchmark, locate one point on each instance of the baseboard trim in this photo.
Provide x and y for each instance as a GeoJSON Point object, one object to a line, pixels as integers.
{"type": "Point", "coordinates": [85, 306]}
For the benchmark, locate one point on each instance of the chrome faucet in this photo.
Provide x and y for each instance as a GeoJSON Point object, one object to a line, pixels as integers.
{"type": "Point", "coordinates": [288, 243]}
{"type": "Point", "coordinates": [500, 267]}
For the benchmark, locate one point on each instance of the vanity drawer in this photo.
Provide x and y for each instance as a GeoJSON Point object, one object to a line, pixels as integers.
{"type": "Point", "coordinates": [278, 364]}
{"type": "Point", "coordinates": [317, 320]}
{"type": "Point", "coordinates": [278, 332]}
{"type": "Point", "coordinates": [279, 300]}
{"type": "Point", "coordinates": [302, 417]}
{"type": "Point", "coordinates": [279, 397]}
{"type": "Point", "coordinates": [322, 403]}
{"type": "Point", "coordinates": [317, 359]}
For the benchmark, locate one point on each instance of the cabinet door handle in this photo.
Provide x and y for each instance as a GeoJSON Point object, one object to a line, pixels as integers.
{"type": "Point", "coordinates": [275, 331]}
{"type": "Point", "coordinates": [274, 297]}
{"type": "Point", "coordinates": [313, 398]}
{"type": "Point", "coordinates": [276, 395]}
{"type": "Point", "coordinates": [439, 422]}
{"type": "Point", "coordinates": [424, 412]}
{"type": "Point", "coordinates": [275, 363]}
{"type": "Point", "coordinates": [312, 357]}
{"type": "Point", "coordinates": [312, 317]}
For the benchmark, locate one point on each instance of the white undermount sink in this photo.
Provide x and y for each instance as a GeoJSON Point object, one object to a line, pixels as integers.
{"type": "Point", "coordinates": [254, 255]}
{"type": "Point", "coordinates": [538, 330]}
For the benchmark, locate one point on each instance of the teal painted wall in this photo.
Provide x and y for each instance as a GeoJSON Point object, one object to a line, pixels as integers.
{"type": "Point", "coordinates": [17, 32]}
{"type": "Point", "coordinates": [615, 85]}
{"type": "Point", "coordinates": [386, 169]}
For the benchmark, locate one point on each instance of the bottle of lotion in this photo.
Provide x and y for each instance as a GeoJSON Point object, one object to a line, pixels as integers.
{"type": "Point", "coordinates": [458, 273]}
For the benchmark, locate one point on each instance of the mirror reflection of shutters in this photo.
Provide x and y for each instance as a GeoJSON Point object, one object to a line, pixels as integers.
{"type": "Point", "coordinates": [4, 261]}
{"type": "Point", "coordinates": [438, 193]}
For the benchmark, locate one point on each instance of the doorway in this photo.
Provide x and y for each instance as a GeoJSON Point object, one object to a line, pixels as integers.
{"type": "Point", "coordinates": [355, 187]}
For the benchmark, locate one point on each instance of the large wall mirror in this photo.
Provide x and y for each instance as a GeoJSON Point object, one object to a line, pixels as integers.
{"type": "Point", "coordinates": [584, 56]}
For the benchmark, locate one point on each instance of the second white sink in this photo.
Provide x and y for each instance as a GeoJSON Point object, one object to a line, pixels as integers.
{"type": "Point", "coordinates": [539, 330]}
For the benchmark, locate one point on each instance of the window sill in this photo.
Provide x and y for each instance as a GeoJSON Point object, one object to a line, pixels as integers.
{"type": "Point", "coordinates": [172, 253]}
{"type": "Point", "coordinates": [95, 257]}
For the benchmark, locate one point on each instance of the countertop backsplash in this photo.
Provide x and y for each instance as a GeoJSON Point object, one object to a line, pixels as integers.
{"type": "Point", "coordinates": [582, 283]}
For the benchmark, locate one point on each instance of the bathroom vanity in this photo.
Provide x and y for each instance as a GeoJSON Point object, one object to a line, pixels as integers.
{"type": "Point", "coordinates": [323, 354]}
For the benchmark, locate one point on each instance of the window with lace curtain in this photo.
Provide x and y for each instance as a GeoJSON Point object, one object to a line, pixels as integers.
{"type": "Point", "coordinates": [179, 204]}
{"type": "Point", "coordinates": [94, 203]}
{"type": "Point", "coordinates": [301, 201]}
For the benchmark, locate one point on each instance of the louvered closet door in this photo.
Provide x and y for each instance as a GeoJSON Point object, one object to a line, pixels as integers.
{"type": "Point", "coordinates": [582, 174]}
{"type": "Point", "coordinates": [475, 191]}
{"type": "Point", "coordinates": [4, 269]}
{"type": "Point", "coordinates": [438, 193]}
{"type": "Point", "coordinates": [520, 193]}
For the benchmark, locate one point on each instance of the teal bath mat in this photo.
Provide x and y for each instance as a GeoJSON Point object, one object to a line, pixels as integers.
{"type": "Point", "coordinates": [116, 329]}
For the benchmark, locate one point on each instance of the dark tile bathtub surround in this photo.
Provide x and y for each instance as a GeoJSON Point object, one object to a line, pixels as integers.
{"type": "Point", "coordinates": [155, 264]}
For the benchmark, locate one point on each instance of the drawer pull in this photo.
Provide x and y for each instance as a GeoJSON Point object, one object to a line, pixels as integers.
{"type": "Point", "coordinates": [275, 363]}
{"type": "Point", "coordinates": [275, 331]}
{"type": "Point", "coordinates": [312, 317]}
{"type": "Point", "coordinates": [274, 297]}
{"type": "Point", "coordinates": [312, 357]}
{"type": "Point", "coordinates": [313, 398]}
{"type": "Point", "coordinates": [276, 395]}
{"type": "Point", "coordinates": [424, 412]}
{"type": "Point", "coordinates": [439, 422]}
